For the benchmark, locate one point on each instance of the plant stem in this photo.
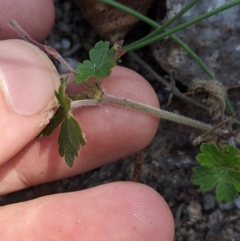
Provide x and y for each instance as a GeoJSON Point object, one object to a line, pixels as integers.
{"type": "Point", "coordinates": [201, 138]}
{"type": "Point", "coordinates": [144, 41]}
{"type": "Point", "coordinates": [154, 24]}
{"type": "Point", "coordinates": [229, 106]}
{"type": "Point", "coordinates": [194, 56]}
{"type": "Point", "coordinates": [155, 112]}
{"type": "Point", "coordinates": [107, 99]}
{"type": "Point", "coordinates": [146, 19]}
{"type": "Point", "coordinates": [130, 11]}
{"type": "Point", "coordinates": [161, 80]}
{"type": "Point", "coordinates": [82, 103]}
{"type": "Point", "coordinates": [134, 46]}
{"type": "Point", "coordinates": [50, 50]}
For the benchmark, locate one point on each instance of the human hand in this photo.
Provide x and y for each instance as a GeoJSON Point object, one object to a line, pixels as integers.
{"type": "Point", "coordinates": [115, 211]}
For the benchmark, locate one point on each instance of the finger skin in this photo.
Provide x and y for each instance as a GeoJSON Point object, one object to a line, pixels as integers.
{"type": "Point", "coordinates": [111, 132]}
{"type": "Point", "coordinates": [31, 78]}
{"type": "Point", "coordinates": [115, 211]}
{"type": "Point", "coordinates": [36, 17]}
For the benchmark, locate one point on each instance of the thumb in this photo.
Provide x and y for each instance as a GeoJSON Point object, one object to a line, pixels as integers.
{"type": "Point", "coordinates": [27, 83]}
{"type": "Point", "coordinates": [35, 16]}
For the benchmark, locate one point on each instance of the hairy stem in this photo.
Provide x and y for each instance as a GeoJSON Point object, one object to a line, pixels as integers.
{"type": "Point", "coordinates": [107, 99]}
{"type": "Point", "coordinates": [155, 112]}
{"type": "Point", "coordinates": [82, 103]}
{"type": "Point", "coordinates": [161, 80]}
{"type": "Point", "coordinates": [161, 30]}
{"type": "Point", "coordinates": [50, 50]}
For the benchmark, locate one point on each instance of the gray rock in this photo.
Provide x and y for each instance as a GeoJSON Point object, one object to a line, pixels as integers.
{"type": "Point", "coordinates": [226, 206]}
{"type": "Point", "coordinates": [213, 218]}
{"type": "Point", "coordinates": [237, 202]}
{"type": "Point", "coordinates": [215, 40]}
{"type": "Point", "coordinates": [66, 43]}
{"type": "Point", "coordinates": [57, 45]}
{"type": "Point", "coordinates": [208, 201]}
{"type": "Point", "coordinates": [63, 70]}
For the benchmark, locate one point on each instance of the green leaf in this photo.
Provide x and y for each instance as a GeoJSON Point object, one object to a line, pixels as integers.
{"type": "Point", "coordinates": [100, 54]}
{"type": "Point", "coordinates": [55, 121]}
{"type": "Point", "coordinates": [230, 156]}
{"type": "Point", "coordinates": [237, 186]}
{"type": "Point", "coordinates": [63, 99]}
{"type": "Point", "coordinates": [206, 176]}
{"type": "Point", "coordinates": [62, 111]}
{"type": "Point", "coordinates": [219, 168]}
{"type": "Point", "coordinates": [84, 71]}
{"type": "Point", "coordinates": [102, 60]}
{"type": "Point", "coordinates": [70, 139]}
{"type": "Point", "coordinates": [71, 136]}
{"type": "Point", "coordinates": [225, 190]}
{"type": "Point", "coordinates": [210, 155]}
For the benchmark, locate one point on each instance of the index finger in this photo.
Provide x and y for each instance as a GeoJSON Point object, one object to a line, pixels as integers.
{"type": "Point", "coordinates": [111, 132]}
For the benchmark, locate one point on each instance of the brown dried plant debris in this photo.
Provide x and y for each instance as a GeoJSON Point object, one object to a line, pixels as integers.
{"type": "Point", "coordinates": [109, 22]}
{"type": "Point", "coordinates": [137, 168]}
{"type": "Point", "coordinates": [213, 93]}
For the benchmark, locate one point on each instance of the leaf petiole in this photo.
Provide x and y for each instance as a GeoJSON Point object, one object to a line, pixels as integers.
{"type": "Point", "coordinates": [107, 99]}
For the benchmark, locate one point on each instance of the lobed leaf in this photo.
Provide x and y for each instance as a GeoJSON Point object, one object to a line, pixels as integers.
{"type": "Point", "coordinates": [84, 70]}
{"type": "Point", "coordinates": [219, 167]}
{"type": "Point", "coordinates": [226, 191]}
{"type": "Point", "coordinates": [207, 177]}
{"type": "Point", "coordinates": [230, 157]}
{"type": "Point", "coordinates": [70, 139]}
{"type": "Point", "coordinates": [71, 136]}
{"type": "Point", "coordinates": [100, 53]}
{"type": "Point", "coordinates": [102, 60]}
{"type": "Point", "coordinates": [63, 99]}
{"type": "Point", "coordinates": [210, 155]}
{"type": "Point", "coordinates": [55, 121]}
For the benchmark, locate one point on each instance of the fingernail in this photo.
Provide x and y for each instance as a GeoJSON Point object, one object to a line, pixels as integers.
{"type": "Point", "coordinates": [28, 78]}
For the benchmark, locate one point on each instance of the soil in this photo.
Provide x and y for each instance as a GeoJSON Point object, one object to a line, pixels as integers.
{"type": "Point", "coordinates": [165, 165]}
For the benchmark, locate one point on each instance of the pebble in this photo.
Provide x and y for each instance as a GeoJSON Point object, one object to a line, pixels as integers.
{"type": "Point", "coordinates": [226, 206]}
{"type": "Point", "coordinates": [67, 6]}
{"type": "Point", "coordinates": [237, 202]}
{"type": "Point", "coordinates": [57, 45]}
{"type": "Point", "coordinates": [213, 218]}
{"type": "Point", "coordinates": [194, 210]}
{"type": "Point", "coordinates": [63, 70]}
{"type": "Point", "coordinates": [208, 201]}
{"type": "Point", "coordinates": [237, 226]}
{"type": "Point", "coordinates": [66, 43]}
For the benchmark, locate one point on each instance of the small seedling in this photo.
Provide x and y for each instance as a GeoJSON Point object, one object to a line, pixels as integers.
{"type": "Point", "coordinates": [71, 136]}
{"type": "Point", "coordinates": [219, 167]}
